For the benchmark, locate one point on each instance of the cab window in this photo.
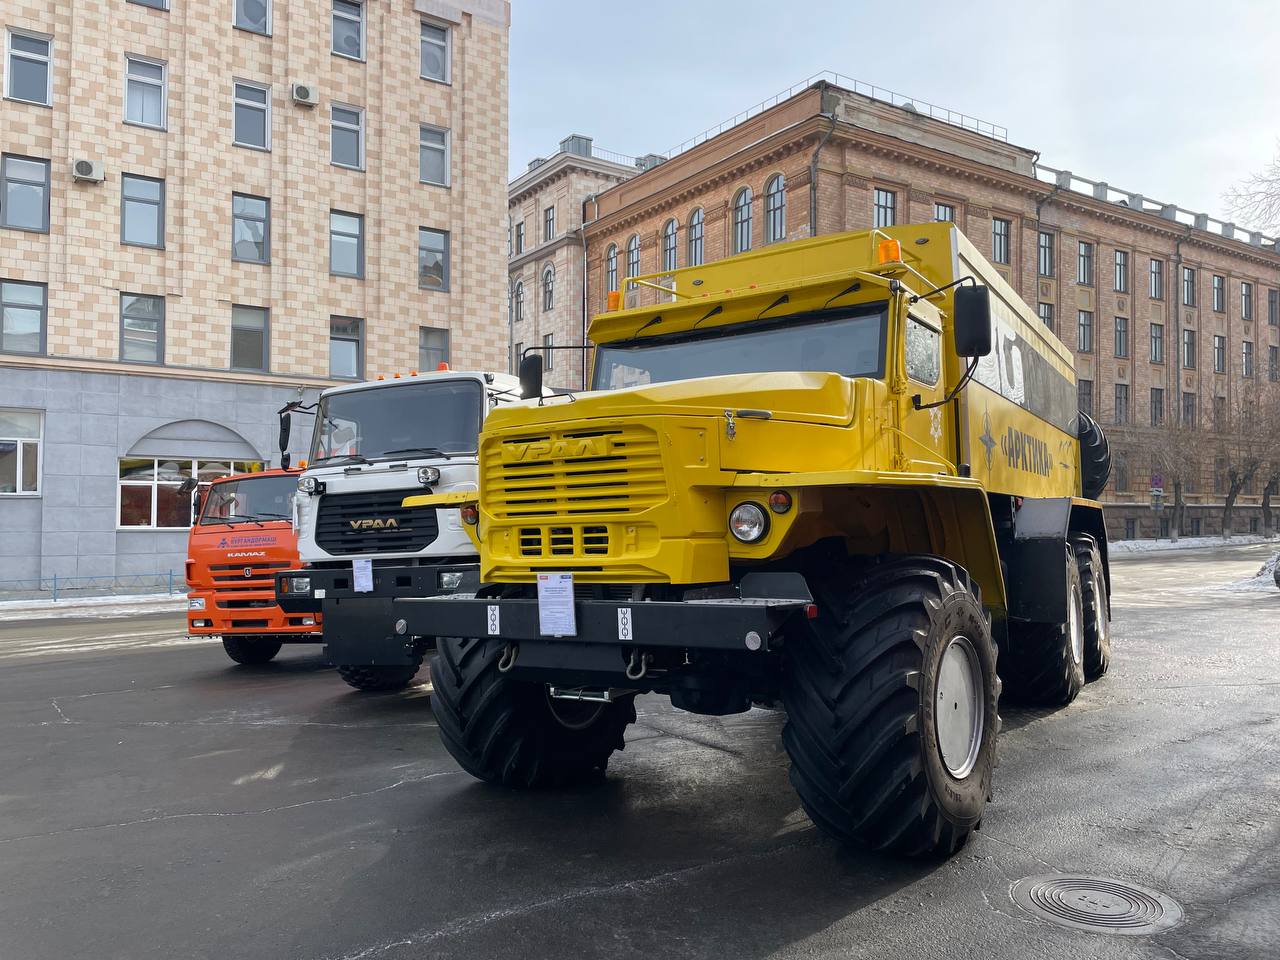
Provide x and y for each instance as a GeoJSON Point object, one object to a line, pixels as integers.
{"type": "Point", "coordinates": [924, 359]}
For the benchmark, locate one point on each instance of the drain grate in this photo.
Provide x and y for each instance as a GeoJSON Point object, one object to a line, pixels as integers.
{"type": "Point", "coordinates": [1096, 904]}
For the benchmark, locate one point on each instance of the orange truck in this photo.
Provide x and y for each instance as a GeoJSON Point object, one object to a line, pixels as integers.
{"type": "Point", "coordinates": [242, 536]}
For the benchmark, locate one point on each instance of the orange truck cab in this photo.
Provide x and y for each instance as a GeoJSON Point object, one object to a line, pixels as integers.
{"type": "Point", "coordinates": [243, 534]}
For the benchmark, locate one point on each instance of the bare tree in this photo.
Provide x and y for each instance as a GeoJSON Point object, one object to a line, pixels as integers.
{"type": "Point", "coordinates": [1256, 199]}
{"type": "Point", "coordinates": [1246, 442]}
{"type": "Point", "coordinates": [1174, 451]}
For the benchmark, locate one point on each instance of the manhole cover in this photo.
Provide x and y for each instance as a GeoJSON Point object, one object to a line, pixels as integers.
{"type": "Point", "coordinates": [1096, 904]}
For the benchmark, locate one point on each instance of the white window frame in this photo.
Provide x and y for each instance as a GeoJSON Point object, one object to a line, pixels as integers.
{"type": "Point", "coordinates": [10, 53]}
{"type": "Point", "coordinates": [548, 349]}
{"type": "Point", "coordinates": [6, 179]}
{"type": "Point", "coordinates": [448, 50]}
{"type": "Point", "coordinates": [236, 466]}
{"type": "Point", "coordinates": [38, 440]}
{"type": "Point", "coordinates": [263, 88]}
{"type": "Point", "coordinates": [364, 27]}
{"type": "Point", "coordinates": [423, 147]}
{"type": "Point", "coordinates": [235, 18]}
{"type": "Point", "coordinates": [359, 128]}
{"type": "Point", "coordinates": [164, 90]}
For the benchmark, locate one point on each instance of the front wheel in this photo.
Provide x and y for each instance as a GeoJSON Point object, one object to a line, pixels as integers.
{"type": "Point", "coordinates": [377, 679]}
{"type": "Point", "coordinates": [251, 650]}
{"type": "Point", "coordinates": [513, 732]}
{"type": "Point", "coordinates": [891, 696]}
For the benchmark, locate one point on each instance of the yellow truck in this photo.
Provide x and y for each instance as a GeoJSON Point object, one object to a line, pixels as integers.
{"type": "Point", "coordinates": [836, 475]}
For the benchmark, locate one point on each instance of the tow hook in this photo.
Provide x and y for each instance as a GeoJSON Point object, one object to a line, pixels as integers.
{"type": "Point", "coordinates": [638, 665]}
{"type": "Point", "coordinates": [508, 659]}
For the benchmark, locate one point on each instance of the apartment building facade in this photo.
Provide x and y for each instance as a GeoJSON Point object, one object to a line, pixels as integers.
{"type": "Point", "coordinates": [1171, 316]}
{"type": "Point", "coordinates": [210, 209]}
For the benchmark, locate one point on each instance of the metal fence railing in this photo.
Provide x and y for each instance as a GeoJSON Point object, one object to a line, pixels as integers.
{"type": "Point", "coordinates": [170, 582]}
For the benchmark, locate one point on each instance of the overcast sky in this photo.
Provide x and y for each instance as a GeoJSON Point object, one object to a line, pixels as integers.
{"type": "Point", "coordinates": [1176, 100]}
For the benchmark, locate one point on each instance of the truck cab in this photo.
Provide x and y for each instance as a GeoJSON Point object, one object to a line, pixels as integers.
{"type": "Point", "coordinates": [243, 535]}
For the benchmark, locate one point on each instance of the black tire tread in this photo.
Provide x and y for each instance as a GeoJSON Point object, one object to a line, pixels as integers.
{"type": "Point", "coordinates": [1037, 667]}
{"type": "Point", "coordinates": [1095, 456]}
{"type": "Point", "coordinates": [377, 679]}
{"type": "Point", "coordinates": [1097, 648]}
{"type": "Point", "coordinates": [251, 650]}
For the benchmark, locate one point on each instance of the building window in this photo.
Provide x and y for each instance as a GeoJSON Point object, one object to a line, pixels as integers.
{"type": "Point", "coordinates": [944, 213]}
{"type": "Point", "coordinates": [346, 348]}
{"type": "Point", "coordinates": [548, 350]}
{"type": "Point", "coordinates": [1157, 406]}
{"type": "Point", "coordinates": [1188, 287]}
{"type": "Point", "coordinates": [518, 350]}
{"type": "Point", "coordinates": [433, 347]}
{"type": "Point", "coordinates": [346, 244]}
{"type": "Point", "coordinates": [146, 92]}
{"type": "Point", "coordinates": [141, 211]}
{"type": "Point", "coordinates": [548, 224]}
{"type": "Point", "coordinates": [611, 268]}
{"type": "Point", "coordinates": [1273, 307]}
{"type": "Point", "coordinates": [1246, 359]}
{"type": "Point", "coordinates": [775, 209]}
{"type": "Point", "coordinates": [1000, 232]}
{"type": "Point", "coordinates": [249, 338]}
{"type": "Point", "coordinates": [252, 116]}
{"type": "Point", "coordinates": [1131, 528]}
{"type": "Point", "coordinates": [1246, 301]}
{"type": "Point", "coordinates": [254, 16]}
{"type": "Point", "coordinates": [1046, 313]}
{"type": "Point", "coordinates": [1122, 403]}
{"type": "Point", "coordinates": [520, 237]}
{"type": "Point", "coordinates": [24, 314]}
{"type": "Point", "coordinates": [1044, 254]}
{"type": "Point", "coordinates": [436, 62]}
{"type": "Point", "coordinates": [1188, 349]}
{"type": "Point", "coordinates": [250, 228]}
{"type": "Point", "coordinates": [1273, 363]}
{"type": "Point", "coordinates": [1084, 263]}
{"type": "Point", "coordinates": [633, 256]}
{"type": "Point", "coordinates": [1189, 409]}
{"type": "Point", "coordinates": [548, 289]}
{"type": "Point", "coordinates": [519, 302]}
{"type": "Point", "coordinates": [1157, 343]}
{"type": "Point", "coordinates": [1122, 271]}
{"type": "Point", "coordinates": [1084, 331]}
{"type": "Point", "coordinates": [884, 208]}
{"type": "Point", "coordinates": [1219, 293]}
{"type": "Point", "coordinates": [346, 136]}
{"type": "Point", "coordinates": [1219, 354]}
{"type": "Point", "coordinates": [695, 238]}
{"type": "Point", "coordinates": [20, 446]}
{"type": "Point", "coordinates": [669, 246]}
{"type": "Point", "coordinates": [1122, 337]}
{"type": "Point", "coordinates": [141, 328]}
{"type": "Point", "coordinates": [1084, 396]}
{"type": "Point", "coordinates": [742, 221]}
{"type": "Point", "coordinates": [149, 490]}
{"type": "Point", "coordinates": [433, 259]}
{"type": "Point", "coordinates": [30, 68]}
{"type": "Point", "coordinates": [348, 29]}
{"type": "Point", "coordinates": [1156, 280]}
{"type": "Point", "coordinates": [24, 193]}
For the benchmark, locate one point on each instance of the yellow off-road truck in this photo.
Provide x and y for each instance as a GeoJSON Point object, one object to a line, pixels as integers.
{"type": "Point", "coordinates": [835, 475]}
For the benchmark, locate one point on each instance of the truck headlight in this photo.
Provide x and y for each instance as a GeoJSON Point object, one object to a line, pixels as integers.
{"type": "Point", "coordinates": [310, 485]}
{"type": "Point", "coordinates": [748, 522]}
{"type": "Point", "coordinates": [451, 581]}
{"type": "Point", "coordinates": [428, 475]}
{"type": "Point", "coordinates": [298, 584]}
{"type": "Point", "coordinates": [195, 603]}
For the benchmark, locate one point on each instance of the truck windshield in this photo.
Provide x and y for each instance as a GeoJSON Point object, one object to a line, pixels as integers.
{"type": "Point", "coordinates": [248, 499]}
{"type": "Point", "coordinates": [432, 419]}
{"type": "Point", "coordinates": [847, 341]}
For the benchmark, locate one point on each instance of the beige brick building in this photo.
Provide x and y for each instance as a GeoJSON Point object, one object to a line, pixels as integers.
{"type": "Point", "coordinates": [1127, 282]}
{"type": "Point", "coordinates": [206, 208]}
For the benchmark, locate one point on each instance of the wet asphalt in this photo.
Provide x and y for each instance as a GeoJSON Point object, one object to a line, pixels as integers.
{"type": "Point", "coordinates": [157, 801]}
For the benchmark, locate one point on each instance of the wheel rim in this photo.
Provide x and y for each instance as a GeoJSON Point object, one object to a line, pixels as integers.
{"type": "Point", "coordinates": [961, 714]}
{"type": "Point", "coordinates": [574, 714]}
{"type": "Point", "coordinates": [1075, 625]}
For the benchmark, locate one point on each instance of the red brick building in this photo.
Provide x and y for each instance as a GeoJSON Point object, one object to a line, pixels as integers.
{"type": "Point", "coordinates": [1171, 314]}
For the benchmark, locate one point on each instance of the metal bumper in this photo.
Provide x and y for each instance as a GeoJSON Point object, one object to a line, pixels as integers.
{"type": "Point", "coordinates": [338, 583]}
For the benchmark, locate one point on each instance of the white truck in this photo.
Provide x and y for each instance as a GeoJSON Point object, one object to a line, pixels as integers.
{"type": "Point", "coordinates": [373, 444]}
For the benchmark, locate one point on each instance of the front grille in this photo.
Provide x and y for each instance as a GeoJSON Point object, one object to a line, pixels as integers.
{"type": "Point", "coordinates": [231, 576]}
{"type": "Point", "coordinates": [372, 522]}
{"type": "Point", "coordinates": [568, 473]}
{"type": "Point", "coordinates": [590, 540]}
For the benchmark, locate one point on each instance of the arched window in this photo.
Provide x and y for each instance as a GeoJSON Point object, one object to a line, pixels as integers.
{"type": "Point", "coordinates": [519, 302]}
{"type": "Point", "coordinates": [775, 209]}
{"type": "Point", "coordinates": [669, 245]}
{"type": "Point", "coordinates": [695, 238]}
{"type": "Point", "coordinates": [548, 288]}
{"type": "Point", "coordinates": [611, 268]}
{"type": "Point", "coordinates": [633, 256]}
{"type": "Point", "coordinates": [742, 221]}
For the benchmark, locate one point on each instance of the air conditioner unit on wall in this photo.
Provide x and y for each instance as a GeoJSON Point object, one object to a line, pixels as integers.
{"type": "Point", "coordinates": [90, 171]}
{"type": "Point", "coordinates": [306, 94]}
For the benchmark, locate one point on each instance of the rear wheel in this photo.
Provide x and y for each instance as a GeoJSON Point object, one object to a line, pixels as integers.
{"type": "Point", "coordinates": [251, 650]}
{"type": "Point", "coordinates": [513, 732]}
{"type": "Point", "coordinates": [1044, 663]}
{"type": "Point", "coordinates": [1097, 610]}
{"type": "Point", "coordinates": [891, 696]}
{"type": "Point", "coordinates": [374, 679]}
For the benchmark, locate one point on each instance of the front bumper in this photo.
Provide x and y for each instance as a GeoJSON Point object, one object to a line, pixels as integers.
{"type": "Point", "coordinates": [229, 613]}
{"type": "Point", "coordinates": [338, 583]}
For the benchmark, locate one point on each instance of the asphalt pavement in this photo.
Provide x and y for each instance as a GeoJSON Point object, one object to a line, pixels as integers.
{"type": "Point", "coordinates": [157, 801]}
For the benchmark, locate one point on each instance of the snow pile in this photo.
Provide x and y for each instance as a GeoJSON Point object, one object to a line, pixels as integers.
{"type": "Point", "coordinates": [1184, 543]}
{"type": "Point", "coordinates": [1264, 580]}
{"type": "Point", "coordinates": [98, 607]}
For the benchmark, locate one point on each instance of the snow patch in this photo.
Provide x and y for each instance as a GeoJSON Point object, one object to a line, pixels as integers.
{"type": "Point", "coordinates": [99, 607]}
{"type": "Point", "coordinates": [1185, 543]}
{"type": "Point", "coordinates": [1264, 581]}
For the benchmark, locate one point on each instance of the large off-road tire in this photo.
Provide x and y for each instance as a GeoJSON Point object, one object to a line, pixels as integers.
{"type": "Point", "coordinates": [251, 650]}
{"type": "Point", "coordinates": [891, 695]}
{"type": "Point", "coordinates": [377, 679]}
{"type": "Point", "coordinates": [1044, 663]}
{"type": "Point", "coordinates": [511, 732]}
{"type": "Point", "coordinates": [1095, 456]}
{"type": "Point", "coordinates": [1097, 609]}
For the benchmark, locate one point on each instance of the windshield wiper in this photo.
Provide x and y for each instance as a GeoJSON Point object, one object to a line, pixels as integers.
{"type": "Point", "coordinates": [353, 457]}
{"type": "Point", "coordinates": [428, 451]}
{"type": "Point", "coordinates": [232, 517]}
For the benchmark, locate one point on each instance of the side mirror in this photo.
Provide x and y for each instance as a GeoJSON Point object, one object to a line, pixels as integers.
{"type": "Point", "coordinates": [188, 485]}
{"type": "Point", "coordinates": [286, 427]}
{"type": "Point", "coordinates": [531, 376]}
{"type": "Point", "coordinates": [972, 321]}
